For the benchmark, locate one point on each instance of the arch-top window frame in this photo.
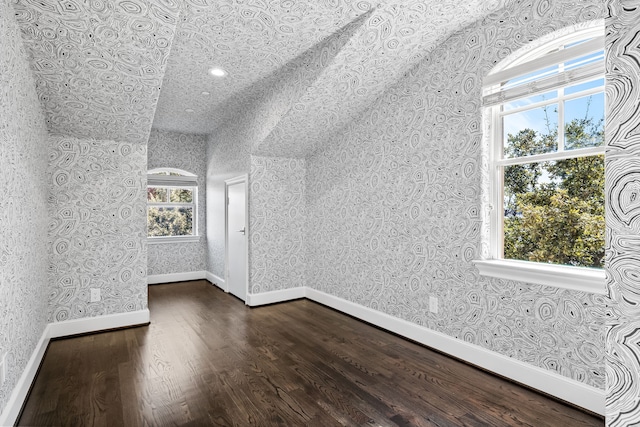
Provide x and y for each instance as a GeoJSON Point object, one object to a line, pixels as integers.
{"type": "Point", "coordinates": [169, 179]}
{"type": "Point", "coordinates": [179, 173]}
{"type": "Point", "coordinates": [498, 92]}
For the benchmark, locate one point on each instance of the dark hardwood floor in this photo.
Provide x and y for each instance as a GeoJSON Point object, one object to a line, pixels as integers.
{"type": "Point", "coordinates": [206, 359]}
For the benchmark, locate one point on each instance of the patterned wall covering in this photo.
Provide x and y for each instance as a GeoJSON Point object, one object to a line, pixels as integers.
{"type": "Point", "coordinates": [98, 64]}
{"type": "Point", "coordinates": [623, 212]}
{"type": "Point", "coordinates": [393, 38]}
{"type": "Point", "coordinates": [272, 99]}
{"type": "Point", "coordinates": [277, 225]}
{"type": "Point", "coordinates": [97, 228]}
{"type": "Point", "coordinates": [229, 148]}
{"type": "Point", "coordinates": [227, 157]}
{"type": "Point", "coordinates": [394, 208]}
{"type": "Point", "coordinates": [253, 39]}
{"type": "Point", "coordinates": [186, 152]}
{"type": "Point", "coordinates": [23, 214]}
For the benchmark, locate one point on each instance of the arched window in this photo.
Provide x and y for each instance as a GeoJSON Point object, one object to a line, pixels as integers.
{"type": "Point", "coordinates": [172, 197]}
{"type": "Point", "coordinates": [547, 163]}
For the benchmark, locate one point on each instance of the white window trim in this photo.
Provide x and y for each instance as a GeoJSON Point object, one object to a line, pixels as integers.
{"type": "Point", "coordinates": [564, 55]}
{"type": "Point", "coordinates": [528, 53]}
{"type": "Point", "coordinates": [583, 279]}
{"type": "Point", "coordinates": [183, 173]}
{"type": "Point", "coordinates": [185, 180]}
{"type": "Point", "coordinates": [173, 239]}
{"type": "Point", "coordinates": [172, 181]}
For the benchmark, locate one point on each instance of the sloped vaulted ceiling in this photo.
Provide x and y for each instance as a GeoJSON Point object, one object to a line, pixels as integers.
{"type": "Point", "coordinates": [100, 64]}
{"type": "Point", "coordinates": [254, 39]}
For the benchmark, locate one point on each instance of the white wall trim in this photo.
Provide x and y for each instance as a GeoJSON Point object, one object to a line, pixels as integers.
{"type": "Point", "coordinates": [217, 280]}
{"type": "Point", "coordinates": [546, 381]}
{"type": "Point", "coordinates": [564, 388]}
{"type": "Point", "coordinates": [581, 279]}
{"type": "Point", "coordinates": [176, 277]}
{"type": "Point", "coordinates": [13, 407]}
{"type": "Point", "coordinates": [567, 389]}
{"type": "Point", "coordinates": [98, 323]}
{"type": "Point", "coordinates": [173, 239]}
{"type": "Point", "coordinates": [272, 297]}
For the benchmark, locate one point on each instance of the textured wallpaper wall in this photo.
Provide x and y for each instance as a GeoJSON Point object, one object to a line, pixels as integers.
{"type": "Point", "coordinates": [186, 152]}
{"type": "Point", "coordinates": [23, 213]}
{"type": "Point", "coordinates": [277, 223]}
{"type": "Point", "coordinates": [394, 208]}
{"type": "Point", "coordinates": [97, 227]}
{"type": "Point", "coordinates": [623, 213]}
{"type": "Point", "coordinates": [227, 157]}
{"type": "Point", "coordinates": [285, 93]}
{"type": "Point", "coordinates": [257, 113]}
{"type": "Point", "coordinates": [99, 64]}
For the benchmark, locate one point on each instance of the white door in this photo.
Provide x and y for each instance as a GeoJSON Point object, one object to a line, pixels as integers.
{"type": "Point", "coordinates": [237, 238]}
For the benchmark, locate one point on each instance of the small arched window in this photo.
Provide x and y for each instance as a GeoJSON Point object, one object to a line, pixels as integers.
{"type": "Point", "coordinates": [172, 197]}
{"type": "Point", "coordinates": [547, 162]}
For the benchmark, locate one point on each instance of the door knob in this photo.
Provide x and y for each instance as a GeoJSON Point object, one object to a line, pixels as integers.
{"type": "Point", "coordinates": [241, 231]}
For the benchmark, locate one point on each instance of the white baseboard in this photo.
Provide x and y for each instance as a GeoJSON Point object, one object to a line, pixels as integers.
{"type": "Point", "coordinates": [564, 388]}
{"type": "Point", "coordinates": [12, 410]}
{"type": "Point", "coordinates": [272, 297]}
{"type": "Point", "coordinates": [546, 381]}
{"type": "Point", "coordinates": [98, 323]}
{"type": "Point", "coordinates": [217, 280]}
{"type": "Point", "coordinates": [176, 277]}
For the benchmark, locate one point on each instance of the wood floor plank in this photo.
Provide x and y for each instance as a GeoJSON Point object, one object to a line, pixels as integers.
{"type": "Point", "coordinates": [207, 359]}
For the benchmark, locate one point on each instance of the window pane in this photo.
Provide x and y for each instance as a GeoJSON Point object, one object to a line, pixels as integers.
{"type": "Point", "coordinates": [554, 212]}
{"type": "Point", "coordinates": [170, 221]}
{"type": "Point", "coordinates": [584, 60]}
{"type": "Point", "coordinates": [535, 75]}
{"type": "Point", "coordinates": [181, 195]}
{"type": "Point", "coordinates": [572, 44]}
{"type": "Point", "coordinates": [523, 102]}
{"type": "Point", "coordinates": [155, 194]}
{"type": "Point", "coordinates": [531, 132]}
{"type": "Point", "coordinates": [584, 86]}
{"type": "Point", "coordinates": [584, 122]}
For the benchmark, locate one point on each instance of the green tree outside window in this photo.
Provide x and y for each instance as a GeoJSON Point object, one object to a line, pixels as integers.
{"type": "Point", "coordinates": [554, 210]}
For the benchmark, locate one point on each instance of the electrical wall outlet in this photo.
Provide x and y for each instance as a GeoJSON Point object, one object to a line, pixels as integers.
{"type": "Point", "coordinates": [433, 304]}
{"type": "Point", "coordinates": [95, 294]}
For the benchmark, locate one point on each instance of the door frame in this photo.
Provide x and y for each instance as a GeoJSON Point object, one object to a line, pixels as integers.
{"type": "Point", "coordinates": [242, 179]}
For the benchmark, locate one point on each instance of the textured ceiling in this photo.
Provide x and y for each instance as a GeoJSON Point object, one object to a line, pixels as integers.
{"type": "Point", "coordinates": [394, 38]}
{"type": "Point", "coordinates": [100, 64]}
{"type": "Point", "coordinates": [252, 40]}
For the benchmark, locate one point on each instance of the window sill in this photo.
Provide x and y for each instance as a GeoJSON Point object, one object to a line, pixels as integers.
{"type": "Point", "coordinates": [173, 239]}
{"type": "Point", "coordinates": [582, 279]}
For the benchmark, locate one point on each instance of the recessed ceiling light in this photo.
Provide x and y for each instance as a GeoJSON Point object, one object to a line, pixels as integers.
{"type": "Point", "coordinates": [189, 110]}
{"type": "Point", "coordinates": [217, 72]}
{"type": "Point", "coordinates": [205, 93]}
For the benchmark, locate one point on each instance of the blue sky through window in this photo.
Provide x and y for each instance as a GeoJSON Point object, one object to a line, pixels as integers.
{"type": "Point", "coordinates": [544, 120]}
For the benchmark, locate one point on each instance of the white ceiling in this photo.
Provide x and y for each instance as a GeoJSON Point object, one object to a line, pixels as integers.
{"type": "Point", "coordinates": [99, 64]}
